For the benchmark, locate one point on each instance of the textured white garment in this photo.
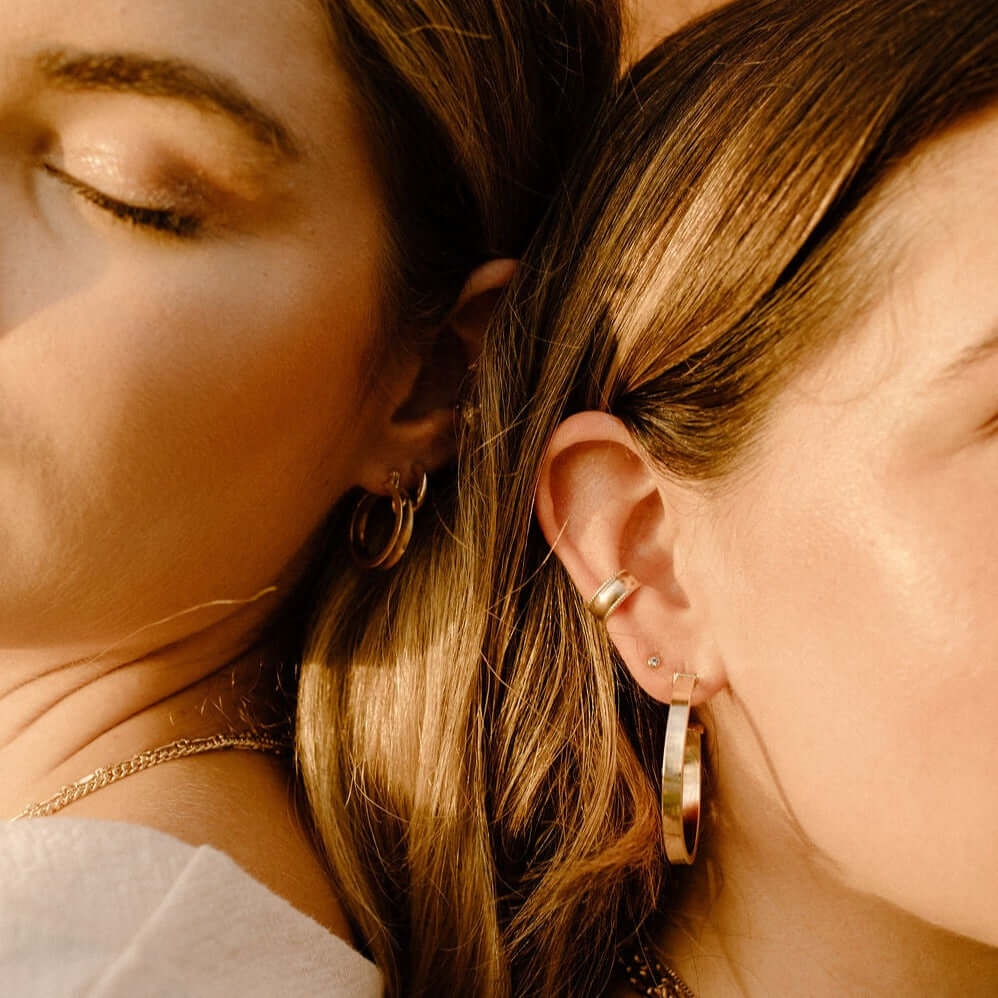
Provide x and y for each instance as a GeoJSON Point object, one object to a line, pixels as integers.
{"type": "Point", "coordinates": [109, 910]}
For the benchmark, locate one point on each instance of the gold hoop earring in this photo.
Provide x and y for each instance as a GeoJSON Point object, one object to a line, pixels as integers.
{"type": "Point", "coordinates": [403, 507]}
{"type": "Point", "coordinates": [611, 594]}
{"type": "Point", "coordinates": [682, 775]}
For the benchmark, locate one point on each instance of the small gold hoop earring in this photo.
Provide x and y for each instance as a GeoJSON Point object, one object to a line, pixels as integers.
{"type": "Point", "coordinates": [403, 509]}
{"type": "Point", "coordinates": [611, 594]}
{"type": "Point", "coordinates": [682, 775]}
{"type": "Point", "coordinates": [422, 487]}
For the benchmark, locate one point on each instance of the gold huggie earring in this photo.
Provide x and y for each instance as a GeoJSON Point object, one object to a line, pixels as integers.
{"type": "Point", "coordinates": [611, 594]}
{"type": "Point", "coordinates": [682, 774]}
{"type": "Point", "coordinates": [404, 507]}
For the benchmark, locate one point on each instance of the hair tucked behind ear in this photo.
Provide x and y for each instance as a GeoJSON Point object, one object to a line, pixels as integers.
{"type": "Point", "coordinates": [706, 248]}
{"type": "Point", "coordinates": [484, 741]}
{"type": "Point", "coordinates": [473, 108]}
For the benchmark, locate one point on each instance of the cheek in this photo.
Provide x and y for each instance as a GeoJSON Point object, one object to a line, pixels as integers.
{"type": "Point", "coordinates": [181, 429]}
{"type": "Point", "coordinates": [858, 629]}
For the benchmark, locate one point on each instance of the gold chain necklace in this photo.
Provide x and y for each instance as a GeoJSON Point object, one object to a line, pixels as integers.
{"type": "Point", "coordinates": [660, 982]}
{"type": "Point", "coordinates": [247, 741]}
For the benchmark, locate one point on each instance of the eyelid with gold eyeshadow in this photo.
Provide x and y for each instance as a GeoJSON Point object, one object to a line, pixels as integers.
{"type": "Point", "coordinates": [168, 221]}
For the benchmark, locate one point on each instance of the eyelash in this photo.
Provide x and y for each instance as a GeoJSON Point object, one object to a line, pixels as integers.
{"type": "Point", "coordinates": [168, 222]}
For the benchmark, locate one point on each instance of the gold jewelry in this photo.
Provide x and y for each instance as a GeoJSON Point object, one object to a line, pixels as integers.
{"type": "Point", "coordinates": [404, 507]}
{"type": "Point", "coordinates": [660, 982]}
{"type": "Point", "coordinates": [611, 594]}
{"type": "Point", "coordinates": [247, 741]}
{"type": "Point", "coordinates": [681, 774]}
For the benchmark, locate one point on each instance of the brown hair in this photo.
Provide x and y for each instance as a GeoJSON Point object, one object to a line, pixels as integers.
{"type": "Point", "coordinates": [703, 250]}
{"type": "Point", "coordinates": [473, 108]}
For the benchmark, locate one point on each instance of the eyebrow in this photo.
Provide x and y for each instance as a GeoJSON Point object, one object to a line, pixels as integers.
{"type": "Point", "coordinates": [972, 355]}
{"type": "Point", "coordinates": [121, 72]}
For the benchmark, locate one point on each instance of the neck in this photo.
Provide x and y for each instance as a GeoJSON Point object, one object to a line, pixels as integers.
{"type": "Point", "coordinates": [763, 913]}
{"type": "Point", "coordinates": [64, 715]}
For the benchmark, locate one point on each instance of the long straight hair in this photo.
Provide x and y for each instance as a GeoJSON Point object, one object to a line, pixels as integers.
{"type": "Point", "coordinates": [706, 249]}
{"type": "Point", "coordinates": [491, 760]}
{"type": "Point", "coordinates": [472, 108]}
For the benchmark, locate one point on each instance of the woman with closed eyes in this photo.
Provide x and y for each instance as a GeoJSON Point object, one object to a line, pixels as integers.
{"type": "Point", "coordinates": [726, 527]}
{"type": "Point", "coordinates": [246, 252]}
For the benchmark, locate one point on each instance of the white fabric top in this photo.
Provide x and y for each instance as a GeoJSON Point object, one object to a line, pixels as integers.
{"type": "Point", "coordinates": [109, 910]}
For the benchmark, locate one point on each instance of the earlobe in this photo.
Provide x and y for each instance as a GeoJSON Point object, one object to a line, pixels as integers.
{"type": "Point", "coordinates": [608, 517]}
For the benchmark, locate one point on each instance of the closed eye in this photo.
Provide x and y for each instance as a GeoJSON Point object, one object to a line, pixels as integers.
{"type": "Point", "coordinates": [170, 222]}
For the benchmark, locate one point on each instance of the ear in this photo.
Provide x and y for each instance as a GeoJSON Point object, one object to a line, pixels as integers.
{"type": "Point", "coordinates": [477, 302]}
{"type": "Point", "coordinates": [603, 508]}
{"type": "Point", "coordinates": [426, 381]}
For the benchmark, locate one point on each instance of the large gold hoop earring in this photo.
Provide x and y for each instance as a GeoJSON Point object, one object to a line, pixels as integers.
{"type": "Point", "coordinates": [403, 509]}
{"type": "Point", "coordinates": [682, 775]}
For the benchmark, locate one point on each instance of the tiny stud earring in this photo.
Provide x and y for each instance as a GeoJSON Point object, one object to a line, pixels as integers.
{"type": "Point", "coordinates": [654, 662]}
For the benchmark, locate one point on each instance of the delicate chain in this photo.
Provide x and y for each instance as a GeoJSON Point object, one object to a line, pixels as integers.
{"type": "Point", "coordinates": [662, 982]}
{"type": "Point", "coordinates": [182, 748]}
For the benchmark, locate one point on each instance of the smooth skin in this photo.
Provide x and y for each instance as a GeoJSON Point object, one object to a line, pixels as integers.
{"type": "Point", "coordinates": [652, 20]}
{"type": "Point", "coordinates": [836, 596]}
{"type": "Point", "coordinates": [189, 303]}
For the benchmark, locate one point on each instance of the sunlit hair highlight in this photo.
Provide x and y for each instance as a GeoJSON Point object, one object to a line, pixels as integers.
{"type": "Point", "coordinates": [707, 248]}
{"type": "Point", "coordinates": [472, 108]}
{"type": "Point", "coordinates": [496, 762]}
